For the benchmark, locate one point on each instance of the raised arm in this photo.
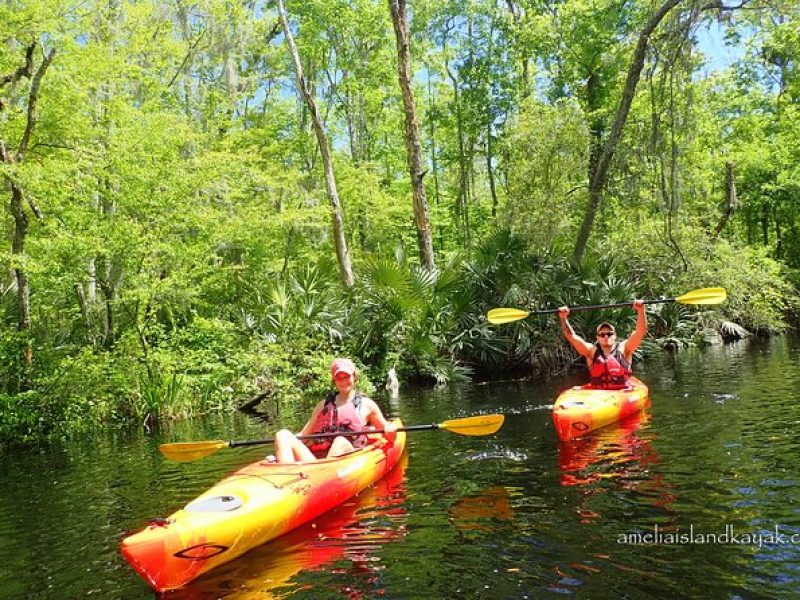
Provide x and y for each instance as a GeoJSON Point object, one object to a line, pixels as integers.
{"type": "Point", "coordinates": [583, 347]}
{"type": "Point", "coordinates": [632, 343]}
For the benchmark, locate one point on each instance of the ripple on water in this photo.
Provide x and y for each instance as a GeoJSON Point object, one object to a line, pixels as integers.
{"type": "Point", "coordinates": [499, 454]}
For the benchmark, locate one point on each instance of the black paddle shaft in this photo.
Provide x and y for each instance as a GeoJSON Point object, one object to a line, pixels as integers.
{"type": "Point", "coordinates": [315, 436]}
{"type": "Point", "coordinates": [572, 309]}
{"type": "Point", "coordinates": [312, 436]}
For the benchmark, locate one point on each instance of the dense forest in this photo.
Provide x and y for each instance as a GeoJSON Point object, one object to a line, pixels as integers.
{"type": "Point", "coordinates": [207, 200]}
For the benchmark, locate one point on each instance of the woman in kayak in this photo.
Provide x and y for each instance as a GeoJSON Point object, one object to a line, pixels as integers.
{"type": "Point", "coordinates": [344, 410]}
{"type": "Point", "coordinates": [609, 361]}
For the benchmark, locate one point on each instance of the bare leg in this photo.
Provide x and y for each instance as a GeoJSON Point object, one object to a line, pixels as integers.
{"type": "Point", "coordinates": [288, 449]}
{"type": "Point", "coordinates": [340, 446]}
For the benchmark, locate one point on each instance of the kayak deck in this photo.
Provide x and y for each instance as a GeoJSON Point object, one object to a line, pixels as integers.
{"type": "Point", "coordinates": [252, 506]}
{"type": "Point", "coordinates": [582, 409]}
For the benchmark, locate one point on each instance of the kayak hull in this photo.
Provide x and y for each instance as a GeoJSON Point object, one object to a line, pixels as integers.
{"type": "Point", "coordinates": [252, 506]}
{"type": "Point", "coordinates": [583, 409]}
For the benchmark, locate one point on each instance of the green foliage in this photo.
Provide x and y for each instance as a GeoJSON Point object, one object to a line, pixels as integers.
{"type": "Point", "coordinates": [12, 344]}
{"type": "Point", "coordinates": [547, 172]}
{"type": "Point", "coordinates": [406, 315]}
{"type": "Point", "coordinates": [306, 303]}
{"type": "Point", "coordinates": [759, 295]}
{"type": "Point", "coordinates": [159, 392]}
{"type": "Point", "coordinates": [23, 419]}
{"type": "Point", "coordinates": [182, 258]}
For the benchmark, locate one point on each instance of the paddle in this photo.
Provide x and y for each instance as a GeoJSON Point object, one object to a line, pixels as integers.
{"type": "Point", "coordinates": [498, 316]}
{"type": "Point", "coordinates": [187, 451]}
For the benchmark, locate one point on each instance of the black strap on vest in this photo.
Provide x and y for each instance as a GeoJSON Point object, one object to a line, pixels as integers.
{"type": "Point", "coordinates": [330, 401]}
{"type": "Point", "coordinates": [598, 351]}
{"type": "Point", "coordinates": [333, 424]}
{"type": "Point", "coordinates": [618, 356]}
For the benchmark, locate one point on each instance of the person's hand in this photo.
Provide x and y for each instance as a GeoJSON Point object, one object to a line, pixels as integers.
{"type": "Point", "coordinates": [390, 431]}
{"type": "Point", "coordinates": [638, 305]}
{"type": "Point", "coordinates": [563, 312]}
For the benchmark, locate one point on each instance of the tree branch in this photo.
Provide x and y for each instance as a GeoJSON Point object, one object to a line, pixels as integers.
{"type": "Point", "coordinates": [273, 33]}
{"type": "Point", "coordinates": [24, 71]}
{"type": "Point", "coordinates": [5, 155]}
{"type": "Point", "coordinates": [721, 6]}
{"type": "Point", "coordinates": [33, 100]}
{"type": "Point", "coordinates": [185, 60]}
{"type": "Point", "coordinates": [34, 208]}
{"type": "Point", "coordinates": [46, 145]}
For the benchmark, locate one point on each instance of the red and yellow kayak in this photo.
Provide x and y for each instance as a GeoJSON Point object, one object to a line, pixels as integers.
{"type": "Point", "coordinates": [582, 409]}
{"type": "Point", "coordinates": [252, 506]}
{"type": "Point", "coordinates": [354, 533]}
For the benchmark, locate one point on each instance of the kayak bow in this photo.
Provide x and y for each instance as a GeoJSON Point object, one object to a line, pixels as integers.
{"type": "Point", "coordinates": [582, 409]}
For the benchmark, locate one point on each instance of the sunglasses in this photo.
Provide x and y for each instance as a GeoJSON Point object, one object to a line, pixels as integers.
{"type": "Point", "coordinates": [606, 334]}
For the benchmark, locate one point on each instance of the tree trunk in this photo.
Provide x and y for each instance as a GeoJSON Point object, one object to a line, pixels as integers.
{"type": "Point", "coordinates": [731, 201]}
{"type": "Point", "coordinates": [17, 203]}
{"type": "Point", "coordinates": [599, 175]}
{"type": "Point", "coordinates": [17, 210]}
{"type": "Point", "coordinates": [107, 271]}
{"type": "Point", "coordinates": [516, 14]}
{"type": "Point", "coordinates": [434, 158]}
{"type": "Point", "coordinates": [413, 144]}
{"type": "Point", "coordinates": [109, 284]}
{"type": "Point", "coordinates": [490, 168]}
{"type": "Point", "coordinates": [462, 202]}
{"type": "Point", "coordinates": [352, 128]}
{"type": "Point", "coordinates": [342, 253]}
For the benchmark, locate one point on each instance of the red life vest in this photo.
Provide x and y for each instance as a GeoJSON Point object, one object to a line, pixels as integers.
{"type": "Point", "coordinates": [610, 372]}
{"type": "Point", "coordinates": [343, 418]}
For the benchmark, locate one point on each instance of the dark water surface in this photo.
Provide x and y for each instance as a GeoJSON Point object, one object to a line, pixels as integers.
{"type": "Point", "coordinates": [708, 476]}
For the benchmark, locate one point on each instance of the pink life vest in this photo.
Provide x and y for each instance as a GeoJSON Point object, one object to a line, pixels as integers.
{"type": "Point", "coordinates": [610, 372]}
{"type": "Point", "coordinates": [343, 418]}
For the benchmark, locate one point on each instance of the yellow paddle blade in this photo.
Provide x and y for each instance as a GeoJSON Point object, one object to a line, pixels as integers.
{"type": "Point", "coordinates": [498, 316]}
{"type": "Point", "coordinates": [480, 425]}
{"type": "Point", "coordinates": [187, 451]}
{"type": "Point", "coordinates": [703, 296]}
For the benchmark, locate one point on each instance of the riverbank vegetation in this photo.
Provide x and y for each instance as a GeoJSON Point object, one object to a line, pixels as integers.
{"type": "Point", "coordinates": [202, 211]}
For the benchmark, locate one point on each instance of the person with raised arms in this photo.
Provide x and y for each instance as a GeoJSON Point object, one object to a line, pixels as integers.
{"type": "Point", "coordinates": [609, 361]}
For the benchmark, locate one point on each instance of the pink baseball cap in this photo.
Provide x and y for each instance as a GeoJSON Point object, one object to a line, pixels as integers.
{"type": "Point", "coordinates": [342, 365]}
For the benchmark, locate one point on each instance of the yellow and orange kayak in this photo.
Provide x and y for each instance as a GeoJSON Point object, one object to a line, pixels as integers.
{"type": "Point", "coordinates": [582, 409]}
{"type": "Point", "coordinates": [353, 532]}
{"type": "Point", "coordinates": [252, 506]}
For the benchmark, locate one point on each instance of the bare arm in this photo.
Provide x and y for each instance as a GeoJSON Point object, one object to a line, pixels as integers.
{"type": "Point", "coordinates": [630, 345]}
{"type": "Point", "coordinates": [583, 347]}
{"type": "Point", "coordinates": [374, 415]}
{"type": "Point", "coordinates": [376, 419]}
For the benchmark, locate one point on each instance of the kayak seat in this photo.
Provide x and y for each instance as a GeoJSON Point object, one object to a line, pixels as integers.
{"type": "Point", "coordinates": [572, 404]}
{"type": "Point", "coordinates": [215, 504]}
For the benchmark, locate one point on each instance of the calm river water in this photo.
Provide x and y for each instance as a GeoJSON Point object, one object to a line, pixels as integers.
{"type": "Point", "coordinates": [707, 477]}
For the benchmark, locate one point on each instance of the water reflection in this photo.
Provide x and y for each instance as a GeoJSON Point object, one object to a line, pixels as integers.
{"type": "Point", "coordinates": [514, 515]}
{"type": "Point", "coordinates": [485, 511]}
{"type": "Point", "coordinates": [346, 540]}
{"type": "Point", "coordinates": [617, 457]}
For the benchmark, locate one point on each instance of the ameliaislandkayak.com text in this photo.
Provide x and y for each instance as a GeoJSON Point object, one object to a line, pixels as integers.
{"type": "Point", "coordinates": [730, 536]}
